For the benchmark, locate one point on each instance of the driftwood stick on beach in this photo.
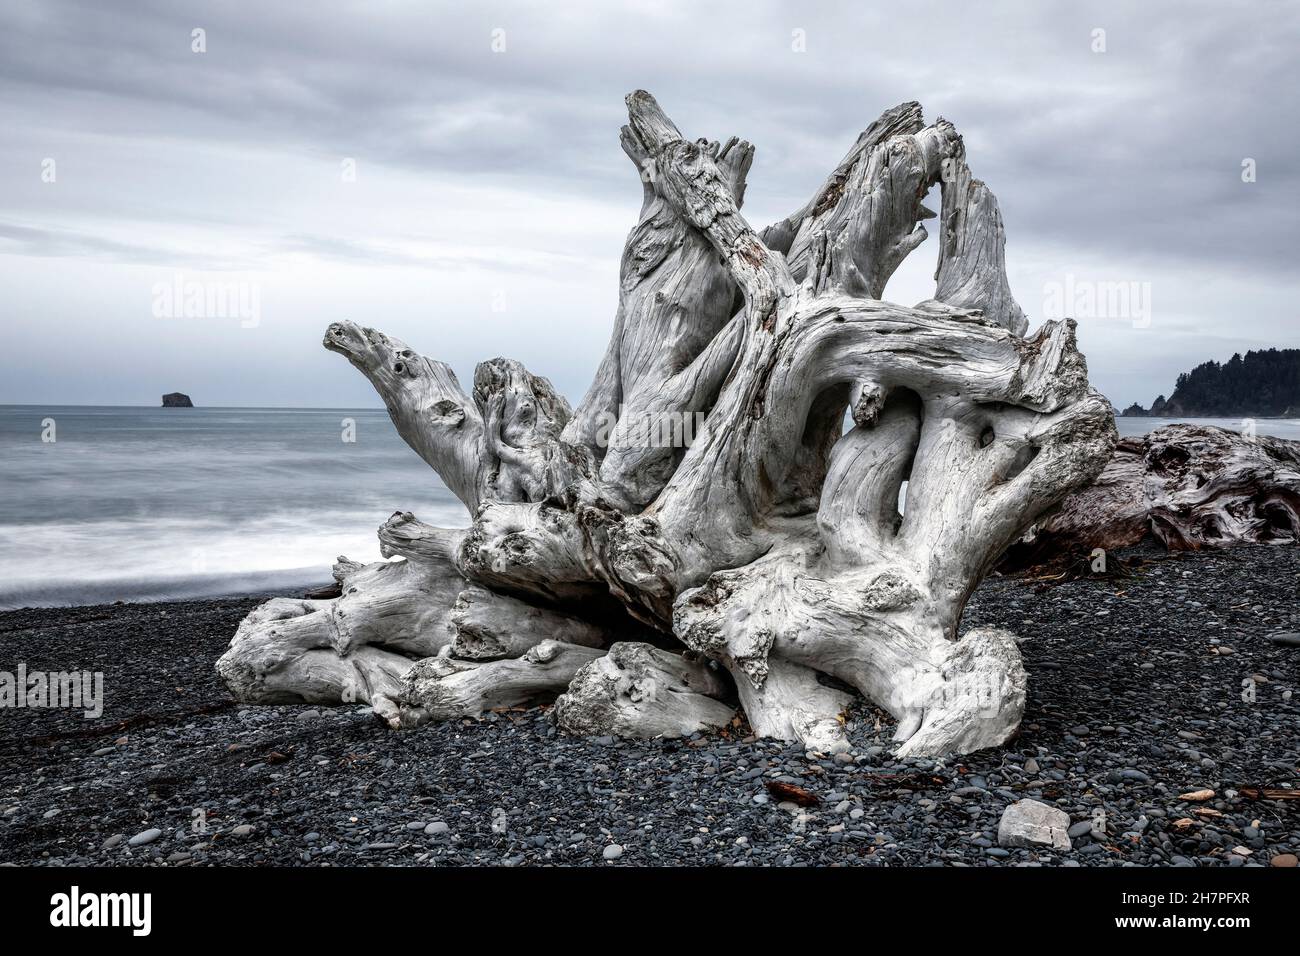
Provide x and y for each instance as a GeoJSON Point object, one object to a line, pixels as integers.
{"type": "Point", "coordinates": [717, 524]}
{"type": "Point", "coordinates": [1187, 486]}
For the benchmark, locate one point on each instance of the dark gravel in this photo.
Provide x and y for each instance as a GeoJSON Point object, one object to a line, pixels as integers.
{"type": "Point", "coordinates": [1136, 697]}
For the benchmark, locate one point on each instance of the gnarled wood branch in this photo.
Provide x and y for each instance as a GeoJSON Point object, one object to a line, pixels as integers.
{"type": "Point", "coordinates": [674, 298]}
{"type": "Point", "coordinates": [637, 690]}
{"type": "Point", "coordinates": [972, 266]}
{"type": "Point", "coordinates": [441, 688]}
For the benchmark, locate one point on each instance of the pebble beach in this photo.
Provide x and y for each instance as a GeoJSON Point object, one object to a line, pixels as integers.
{"type": "Point", "coordinates": [1163, 719]}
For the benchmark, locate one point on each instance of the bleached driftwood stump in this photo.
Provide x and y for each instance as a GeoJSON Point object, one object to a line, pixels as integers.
{"type": "Point", "coordinates": [772, 545]}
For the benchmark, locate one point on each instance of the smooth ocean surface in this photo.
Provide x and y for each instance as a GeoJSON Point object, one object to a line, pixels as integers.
{"type": "Point", "coordinates": [1288, 428]}
{"type": "Point", "coordinates": [156, 503]}
{"type": "Point", "coordinates": [153, 503]}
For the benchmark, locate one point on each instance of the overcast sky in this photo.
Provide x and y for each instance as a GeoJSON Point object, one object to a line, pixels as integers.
{"type": "Point", "coordinates": [491, 198]}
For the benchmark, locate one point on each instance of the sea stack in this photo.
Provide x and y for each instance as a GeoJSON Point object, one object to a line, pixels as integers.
{"type": "Point", "coordinates": [177, 400]}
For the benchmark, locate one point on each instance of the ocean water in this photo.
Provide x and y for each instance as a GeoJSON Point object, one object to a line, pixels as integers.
{"type": "Point", "coordinates": [155, 503]}
{"type": "Point", "coordinates": [1288, 428]}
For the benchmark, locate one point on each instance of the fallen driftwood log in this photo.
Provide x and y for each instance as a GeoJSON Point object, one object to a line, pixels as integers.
{"type": "Point", "coordinates": [705, 494]}
{"type": "Point", "coordinates": [1187, 486]}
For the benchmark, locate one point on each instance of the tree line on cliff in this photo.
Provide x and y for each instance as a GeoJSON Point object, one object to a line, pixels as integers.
{"type": "Point", "coordinates": [1263, 383]}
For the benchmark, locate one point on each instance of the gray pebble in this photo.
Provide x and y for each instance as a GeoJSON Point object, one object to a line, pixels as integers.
{"type": "Point", "coordinates": [145, 837]}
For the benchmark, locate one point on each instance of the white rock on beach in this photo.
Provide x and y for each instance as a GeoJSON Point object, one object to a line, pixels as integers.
{"type": "Point", "coordinates": [145, 837]}
{"type": "Point", "coordinates": [1030, 823]}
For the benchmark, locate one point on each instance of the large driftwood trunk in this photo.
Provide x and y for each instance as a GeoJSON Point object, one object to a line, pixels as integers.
{"type": "Point", "coordinates": [730, 484]}
{"type": "Point", "coordinates": [1187, 486]}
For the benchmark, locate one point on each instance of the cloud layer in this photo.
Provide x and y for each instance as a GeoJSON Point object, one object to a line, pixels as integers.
{"type": "Point", "coordinates": [490, 197]}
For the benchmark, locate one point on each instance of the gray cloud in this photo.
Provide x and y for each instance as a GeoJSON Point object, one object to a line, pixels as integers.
{"type": "Point", "coordinates": [17, 239]}
{"type": "Point", "coordinates": [1121, 165]}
